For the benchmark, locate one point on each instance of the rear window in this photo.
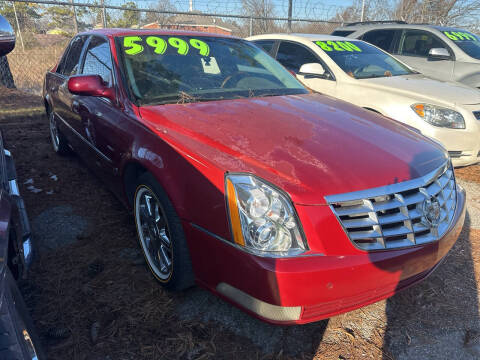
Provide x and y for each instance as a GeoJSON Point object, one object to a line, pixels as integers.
{"type": "Point", "coordinates": [342, 32]}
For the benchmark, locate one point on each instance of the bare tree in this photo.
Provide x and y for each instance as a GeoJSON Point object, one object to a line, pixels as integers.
{"type": "Point", "coordinates": [463, 13]}
{"type": "Point", "coordinates": [161, 5]}
{"type": "Point", "coordinates": [260, 9]}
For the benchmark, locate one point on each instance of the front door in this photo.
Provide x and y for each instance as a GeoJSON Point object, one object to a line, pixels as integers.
{"type": "Point", "coordinates": [413, 50]}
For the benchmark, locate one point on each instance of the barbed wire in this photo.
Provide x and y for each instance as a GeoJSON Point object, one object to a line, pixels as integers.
{"type": "Point", "coordinates": [213, 12]}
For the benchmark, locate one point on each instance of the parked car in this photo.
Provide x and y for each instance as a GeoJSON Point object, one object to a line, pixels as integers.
{"type": "Point", "coordinates": [441, 52]}
{"type": "Point", "coordinates": [366, 76]}
{"type": "Point", "coordinates": [18, 338]}
{"type": "Point", "coordinates": [293, 206]}
{"type": "Point", "coordinates": [7, 37]}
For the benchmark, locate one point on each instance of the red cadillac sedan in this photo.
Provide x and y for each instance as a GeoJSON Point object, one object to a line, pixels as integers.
{"type": "Point", "coordinates": [291, 205]}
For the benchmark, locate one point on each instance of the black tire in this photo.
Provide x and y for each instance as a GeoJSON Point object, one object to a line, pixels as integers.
{"type": "Point", "coordinates": [59, 142]}
{"type": "Point", "coordinates": [154, 228]}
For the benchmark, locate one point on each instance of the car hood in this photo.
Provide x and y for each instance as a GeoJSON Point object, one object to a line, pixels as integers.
{"type": "Point", "coordinates": [308, 145]}
{"type": "Point", "coordinates": [421, 88]}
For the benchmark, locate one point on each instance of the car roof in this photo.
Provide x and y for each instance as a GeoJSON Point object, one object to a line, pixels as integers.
{"type": "Point", "coordinates": [299, 37]}
{"type": "Point", "coordinates": [395, 25]}
{"type": "Point", "coordinates": [114, 32]}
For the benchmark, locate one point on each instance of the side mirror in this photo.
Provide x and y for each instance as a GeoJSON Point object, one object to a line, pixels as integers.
{"type": "Point", "coordinates": [7, 37]}
{"type": "Point", "coordinates": [90, 85]}
{"type": "Point", "coordinates": [312, 69]}
{"type": "Point", "coordinates": [439, 54]}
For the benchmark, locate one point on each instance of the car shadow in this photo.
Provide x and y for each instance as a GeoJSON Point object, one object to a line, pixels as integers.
{"type": "Point", "coordinates": [291, 340]}
{"type": "Point", "coordinates": [437, 318]}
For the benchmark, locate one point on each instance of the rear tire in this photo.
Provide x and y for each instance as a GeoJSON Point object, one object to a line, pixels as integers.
{"type": "Point", "coordinates": [59, 142]}
{"type": "Point", "coordinates": [161, 235]}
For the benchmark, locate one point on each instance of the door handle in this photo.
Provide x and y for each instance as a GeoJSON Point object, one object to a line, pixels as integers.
{"type": "Point", "coordinates": [75, 106]}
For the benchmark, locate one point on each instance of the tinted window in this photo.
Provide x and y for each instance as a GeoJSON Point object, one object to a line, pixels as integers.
{"type": "Point", "coordinates": [418, 43]}
{"type": "Point", "coordinates": [71, 62]}
{"type": "Point", "coordinates": [361, 60]}
{"type": "Point", "coordinates": [465, 40]}
{"type": "Point", "coordinates": [293, 56]}
{"type": "Point", "coordinates": [164, 69]}
{"type": "Point", "coordinates": [342, 32]}
{"type": "Point", "coordinates": [266, 45]}
{"type": "Point", "coordinates": [381, 38]}
{"type": "Point", "coordinates": [98, 60]}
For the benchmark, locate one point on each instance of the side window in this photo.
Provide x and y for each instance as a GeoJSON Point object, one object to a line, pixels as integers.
{"type": "Point", "coordinates": [418, 43]}
{"type": "Point", "coordinates": [70, 63]}
{"type": "Point", "coordinates": [98, 60]}
{"type": "Point", "coordinates": [266, 45]}
{"type": "Point", "coordinates": [381, 38]}
{"type": "Point", "coordinates": [293, 56]}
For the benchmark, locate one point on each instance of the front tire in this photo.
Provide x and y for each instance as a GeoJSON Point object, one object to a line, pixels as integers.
{"type": "Point", "coordinates": [161, 235]}
{"type": "Point", "coordinates": [59, 143]}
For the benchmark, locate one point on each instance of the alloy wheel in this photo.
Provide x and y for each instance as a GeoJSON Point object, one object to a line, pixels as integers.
{"type": "Point", "coordinates": [153, 233]}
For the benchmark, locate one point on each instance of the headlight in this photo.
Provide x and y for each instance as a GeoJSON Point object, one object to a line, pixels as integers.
{"type": "Point", "coordinates": [262, 218]}
{"type": "Point", "coordinates": [438, 116]}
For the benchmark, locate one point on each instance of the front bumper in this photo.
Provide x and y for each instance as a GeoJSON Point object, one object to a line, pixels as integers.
{"type": "Point", "coordinates": [312, 287]}
{"type": "Point", "coordinates": [462, 144]}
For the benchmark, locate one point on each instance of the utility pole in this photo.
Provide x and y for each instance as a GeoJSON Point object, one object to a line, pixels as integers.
{"type": "Point", "coordinates": [363, 11]}
{"type": "Point", "coordinates": [190, 7]}
{"type": "Point", "coordinates": [290, 6]}
{"type": "Point", "coordinates": [75, 22]}
{"type": "Point", "coordinates": [104, 14]}
{"type": "Point", "coordinates": [18, 26]}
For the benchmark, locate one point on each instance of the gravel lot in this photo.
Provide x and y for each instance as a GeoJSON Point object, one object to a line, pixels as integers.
{"type": "Point", "coordinates": [92, 297]}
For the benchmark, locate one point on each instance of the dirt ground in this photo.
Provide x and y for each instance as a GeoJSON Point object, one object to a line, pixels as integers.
{"type": "Point", "coordinates": [92, 297]}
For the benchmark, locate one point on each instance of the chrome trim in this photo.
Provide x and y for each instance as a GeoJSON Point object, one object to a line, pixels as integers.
{"type": "Point", "coordinates": [259, 307]}
{"type": "Point", "coordinates": [102, 155]}
{"type": "Point", "coordinates": [14, 190]}
{"type": "Point", "coordinates": [27, 251]}
{"type": "Point", "coordinates": [398, 215]}
{"type": "Point", "coordinates": [388, 189]}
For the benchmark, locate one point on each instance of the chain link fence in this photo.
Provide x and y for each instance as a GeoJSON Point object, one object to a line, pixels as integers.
{"type": "Point", "coordinates": [44, 27]}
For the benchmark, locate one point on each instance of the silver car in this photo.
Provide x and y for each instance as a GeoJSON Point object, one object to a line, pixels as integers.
{"type": "Point", "coordinates": [443, 53]}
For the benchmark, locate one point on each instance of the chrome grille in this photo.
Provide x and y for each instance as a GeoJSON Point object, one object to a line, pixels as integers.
{"type": "Point", "coordinates": [398, 215]}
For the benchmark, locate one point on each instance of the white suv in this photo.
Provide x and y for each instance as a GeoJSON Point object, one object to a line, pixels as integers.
{"type": "Point", "coordinates": [444, 53]}
{"type": "Point", "coordinates": [362, 74]}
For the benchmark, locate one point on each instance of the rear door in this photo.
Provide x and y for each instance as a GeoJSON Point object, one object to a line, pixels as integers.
{"type": "Point", "coordinates": [413, 49]}
{"type": "Point", "coordinates": [62, 99]}
{"type": "Point", "coordinates": [293, 56]}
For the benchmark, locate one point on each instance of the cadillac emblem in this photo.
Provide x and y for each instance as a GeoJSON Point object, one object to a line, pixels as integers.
{"type": "Point", "coordinates": [431, 211]}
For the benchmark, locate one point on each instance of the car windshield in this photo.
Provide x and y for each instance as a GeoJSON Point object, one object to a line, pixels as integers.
{"type": "Point", "coordinates": [361, 60]}
{"type": "Point", "coordinates": [164, 69]}
{"type": "Point", "coordinates": [466, 41]}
